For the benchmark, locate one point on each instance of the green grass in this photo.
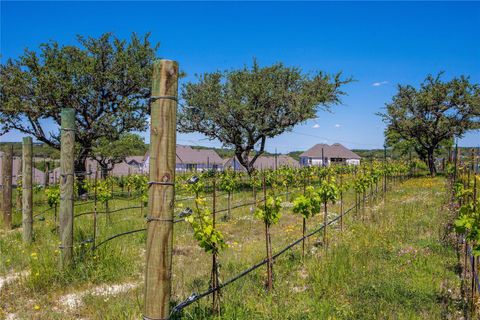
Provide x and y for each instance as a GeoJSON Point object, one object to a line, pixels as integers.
{"type": "Point", "coordinates": [392, 265]}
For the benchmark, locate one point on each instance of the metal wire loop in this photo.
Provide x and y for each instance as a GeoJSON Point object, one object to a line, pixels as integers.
{"type": "Point", "coordinates": [148, 318]}
{"type": "Point", "coordinates": [155, 98]}
{"type": "Point", "coordinates": [148, 218]}
{"type": "Point", "coordinates": [161, 183]}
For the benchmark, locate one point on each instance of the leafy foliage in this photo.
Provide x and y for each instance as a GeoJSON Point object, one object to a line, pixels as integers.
{"type": "Point", "coordinates": [242, 108]}
{"type": "Point", "coordinates": [53, 196]}
{"type": "Point", "coordinates": [309, 204]}
{"type": "Point", "coordinates": [228, 181]}
{"type": "Point", "coordinates": [269, 212]}
{"type": "Point", "coordinates": [328, 191]}
{"type": "Point", "coordinates": [106, 80]}
{"type": "Point", "coordinates": [209, 238]}
{"type": "Point", "coordinates": [468, 223]}
{"type": "Point", "coordinates": [432, 115]}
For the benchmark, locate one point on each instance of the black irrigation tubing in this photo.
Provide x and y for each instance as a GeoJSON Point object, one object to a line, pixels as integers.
{"type": "Point", "coordinates": [195, 297]}
{"type": "Point", "coordinates": [250, 203]}
{"type": "Point", "coordinates": [43, 212]}
{"type": "Point", "coordinates": [240, 206]}
{"type": "Point", "coordinates": [126, 233]}
{"type": "Point", "coordinates": [116, 236]}
{"type": "Point", "coordinates": [111, 211]}
{"type": "Point", "coordinates": [182, 220]}
{"type": "Point", "coordinates": [205, 196]}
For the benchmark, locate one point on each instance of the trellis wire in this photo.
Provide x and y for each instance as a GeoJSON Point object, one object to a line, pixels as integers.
{"type": "Point", "coordinates": [195, 297]}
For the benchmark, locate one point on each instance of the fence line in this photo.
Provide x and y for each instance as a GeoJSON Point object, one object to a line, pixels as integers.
{"type": "Point", "coordinates": [195, 297]}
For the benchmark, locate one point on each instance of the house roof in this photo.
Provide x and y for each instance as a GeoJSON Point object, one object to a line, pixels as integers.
{"type": "Point", "coordinates": [336, 150]}
{"type": "Point", "coordinates": [37, 175]}
{"type": "Point", "coordinates": [268, 162]}
{"type": "Point", "coordinates": [131, 165]}
{"type": "Point", "coordinates": [188, 155]}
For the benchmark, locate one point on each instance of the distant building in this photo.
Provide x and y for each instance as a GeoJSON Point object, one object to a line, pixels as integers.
{"type": "Point", "coordinates": [37, 175]}
{"type": "Point", "coordinates": [334, 154]}
{"type": "Point", "coordinates": [264, 163]}
{"type": "Point", "coordinates": [131, 165]}
{"type": "Point", "coordinates": [189, 159]}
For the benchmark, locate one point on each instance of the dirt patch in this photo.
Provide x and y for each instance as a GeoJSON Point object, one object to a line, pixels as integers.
{"type": "Point", "coordinates": [4, 280]}
{"type": "Point", "coordinates": [73, 301]}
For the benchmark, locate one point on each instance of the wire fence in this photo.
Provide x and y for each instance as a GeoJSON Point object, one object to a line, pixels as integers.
{"type": "Point", "coordinates": [197, 296]}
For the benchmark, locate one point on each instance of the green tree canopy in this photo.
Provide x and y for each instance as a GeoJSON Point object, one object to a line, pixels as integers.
{"type": "Point", "coordinates": [106, 80]}
{"type": "Point", "coordinates": [242, 108]}
{"type": "Point", "coordinates": [432, 115]}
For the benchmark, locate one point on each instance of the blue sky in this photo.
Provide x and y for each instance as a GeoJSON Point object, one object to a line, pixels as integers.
{"type": "Point", "coordinates": [379, 44]}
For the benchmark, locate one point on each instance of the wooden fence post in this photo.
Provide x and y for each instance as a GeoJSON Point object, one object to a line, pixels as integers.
{"type": "Point", "coordinates": [158, 269]}
{"type": "Point", "coordinates": [46, 180]}
{"type": "Point", "coordinates": [18, 195]}
{"type": "Point", "coordinates": [66, 186]}
{"type": "Point", "coordinates": [7, 168]}
{"type": "Point", "coordinates": [27, 196]}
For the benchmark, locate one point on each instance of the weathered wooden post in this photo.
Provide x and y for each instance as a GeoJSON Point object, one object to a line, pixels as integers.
{"type": "Point", "coordinates": [66, 186]}
{"type": "Point", "coordinates": [158, 269]}
{"type": "Point", "coordinates": [18, 195]}
{"type": "Point", "coordinates": [7, 168]}
{"type": "Point", "coordinates": [46, 167]}
{"type": "Point", "coordinates": [27, 196]}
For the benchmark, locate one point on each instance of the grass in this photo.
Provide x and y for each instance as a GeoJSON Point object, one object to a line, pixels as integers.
{"type": "Point", "coordinates": [391, 264]}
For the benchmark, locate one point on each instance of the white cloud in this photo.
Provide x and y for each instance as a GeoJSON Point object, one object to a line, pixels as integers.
{"type": "Point", "coordinates": [378, 84]}
{"type": "Point", "coordinates": [337, 126]}
{"type": "Point", "coordinates": [316, 125]}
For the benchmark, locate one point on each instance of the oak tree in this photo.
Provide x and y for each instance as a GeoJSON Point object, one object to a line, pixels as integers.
{"type": "Point", "coordinates": [242, 108]}
{"type": "Point", "coordinates": [432, 115]}
{"type": "Point", "coordinates": [106, 80]}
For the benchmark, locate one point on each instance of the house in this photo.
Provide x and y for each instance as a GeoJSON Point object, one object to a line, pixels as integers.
{"type": "Point", "coordinates": [324, 154]}
{"type": "Point", "coordinates": [189, 159]}
{"type": "Point", "coordinates": [264, 163]}
{"type": "Point", "coordinates": [37, 175]}
{"type": "Point", "coordinates": [131, 165]}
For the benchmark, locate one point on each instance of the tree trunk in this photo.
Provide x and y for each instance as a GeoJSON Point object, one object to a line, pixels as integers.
{"type": "Point", "coordinates": [46, 180]}
{"type": "Point", "coordinates": [80, 172]}
{"type": "Point", "coordinates": [104, 170]}
{"type": "Point", "coordinates": [431, 164]}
